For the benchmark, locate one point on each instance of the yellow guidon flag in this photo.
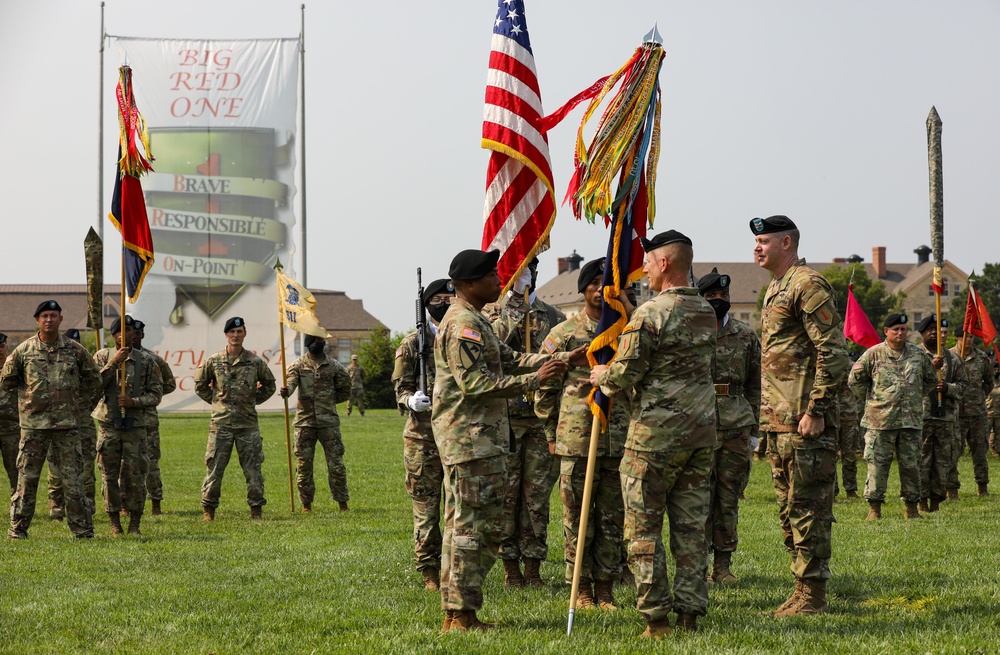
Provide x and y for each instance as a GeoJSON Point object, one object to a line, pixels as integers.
{"type": "Point", "coordinates": [296, 306]}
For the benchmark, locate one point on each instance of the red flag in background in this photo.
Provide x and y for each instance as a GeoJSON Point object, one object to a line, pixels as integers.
{"type": "Point", "coordinates": [857, 327]}
{"type": "Point", "coordinates": [977, 318]}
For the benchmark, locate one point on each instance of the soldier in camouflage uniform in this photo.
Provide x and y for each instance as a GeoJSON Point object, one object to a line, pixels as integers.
{"type": "Point", "coordinates": [848, 439]}
{"type": "Point", "coordinates": [424, 473]}
{"type": "Point", "coordinates": [993, 410]}
{"type": "Point", "coordinates": [940, 419]}
{"type": "Point", "coordinates": [475, 373]}
{"type": "Point", "coordinates": [10, 428]}
{"type": "Point", "coordinates": [121, 420]}
{"type": "Point", "coordinates": [737, 404]}
{"type": "Point", "coordinates": [322, 383]}
{"type": "Point", "coordinates": [88, 444]}
{"type": "Point", "coordinates": [50, 374]}
{"type": "Point", "coordinates": [563, 408]}
{"type": "Point", "coordinates": [973, 423]}
{"type": "Point", "coordinates": [357, 374]}
{"type": "Point", "coordinates": [893, 377]}
{"type": "Point", "coordinates": [531, 470]}
{"type": "Point", "coordinates": [234, 380]}
{"type": "Point", "coordinates": [803, 363]}
{"type": "Point", "coordinates": [151, 446]}
{"type": "Point", "coordinates": [666, 354]}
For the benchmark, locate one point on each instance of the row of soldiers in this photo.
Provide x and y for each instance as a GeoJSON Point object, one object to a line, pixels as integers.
{"type": "Point", "coordinates": [52, 391]}
{"type": "Point", "coordinates": [693, 391]}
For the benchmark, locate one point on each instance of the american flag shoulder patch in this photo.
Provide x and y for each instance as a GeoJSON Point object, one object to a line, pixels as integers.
{"type": "Point", "coordinates": [549, 345]}
{"type": "Point", "coordinates": [470, 334]}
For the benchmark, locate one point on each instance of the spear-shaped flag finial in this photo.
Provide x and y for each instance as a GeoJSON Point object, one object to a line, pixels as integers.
{"type": "Point", "coordinates": [653, 36]}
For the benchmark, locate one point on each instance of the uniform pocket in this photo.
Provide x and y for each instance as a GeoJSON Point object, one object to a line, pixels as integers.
{"type": "Point", "coordinates": [642, 552]}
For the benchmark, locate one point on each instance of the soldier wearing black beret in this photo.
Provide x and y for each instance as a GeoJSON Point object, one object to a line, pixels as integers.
{"type": "Point", "coordinates": [893, 320]}
{"type": "Point", "coordinates": [973, 423]}
{"type": "Point", "coordinates": [47, 306]}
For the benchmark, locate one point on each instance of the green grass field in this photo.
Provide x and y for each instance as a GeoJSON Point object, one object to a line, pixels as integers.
{"type": "Point", "coordinates": [344, 582]}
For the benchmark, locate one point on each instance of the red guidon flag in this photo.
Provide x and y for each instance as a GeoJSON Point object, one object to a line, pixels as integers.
{"type": "Point", "coordinates": [857, 327]}
{"type": "Point", "coordinates": [977, 318]}
{"type": "Point", "coordinates": [520, 200]}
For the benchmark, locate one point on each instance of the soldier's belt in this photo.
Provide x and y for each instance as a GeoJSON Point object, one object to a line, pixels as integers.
{"type": "Point", "coordinates": [727, 390]}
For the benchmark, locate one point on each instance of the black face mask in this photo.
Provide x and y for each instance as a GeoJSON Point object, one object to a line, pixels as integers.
{"type": "Point", "coordinates": [720, 306]}
{"type": "Point", "coordinates": [437, 312]}
{"type": "Point", "coordinates": [316, 347]}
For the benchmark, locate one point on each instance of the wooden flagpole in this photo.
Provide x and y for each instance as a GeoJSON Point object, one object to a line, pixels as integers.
{"type": "Point", "coordinates": [284, 383]}
{"type": "Point", "coordinates": [581, 535]}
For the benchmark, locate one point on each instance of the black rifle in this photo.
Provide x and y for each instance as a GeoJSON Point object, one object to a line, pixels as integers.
{"type": "Point", "coordinates": [421, 338]}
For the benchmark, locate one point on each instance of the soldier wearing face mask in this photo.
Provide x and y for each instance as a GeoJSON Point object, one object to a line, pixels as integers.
{"type": "Point", "coordinates": [737, 400]}
{"type": "Point", "coordinates": [322, 383]}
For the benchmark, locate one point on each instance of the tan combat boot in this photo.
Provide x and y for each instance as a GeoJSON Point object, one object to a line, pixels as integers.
{"type": "Point", "coordinates": [812, 600]}
{"type": "Point", "coordinates": [720, 568]}
{"type": "Point", "coordinates": [512, 574]}
{"type": "Point", "coordinates": [208, 513]}
{"type": "Point", "coordinates": [792, 600]}
{"type": "Point", "coordinates": [923, 505]}
{"type": "Point", "coordinates": [133, 523]}
{"type": "Point", "coordinates": [953, 494]}
{"type": "Point", "coordinates": [585, 597]}
{"type": "Point", "coordinates": [874, 511]}
{"type": "Point", "coordinates": [532, 575]}
{"type": "Point", "coordinates": [983, 491]}
{"type": "Point", "coordinates": [467, 620]}
{"type": "Point", "coordinates": [657, 629]}
{"type": "Point", "coordinates": [116, 523]}
{"type": "Point", "coordinates": [912, 512]}
{"type": "Point", "coordinates": [449, 617]}
{"type": "Point", "coordinates": [605, 596]}
{"type": "Point", "coordinates": [307, 508]}
{"type": "Point", "coordinates": [432, 579]}
{"type": "Point", "coordinates": [687, 622]}
{"type": "Point", "coordinates": [256, 513]}
{"type": "Point", "coordinates": [156, 511]}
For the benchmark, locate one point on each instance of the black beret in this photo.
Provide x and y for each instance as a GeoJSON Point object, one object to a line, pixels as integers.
{"type": "Point", "coordinates": [771, 224]}
{"type": "Point", "coordinates": [310, 339]}
{"type": "Point", "coordinates": [116, 325]}
{"type": "Point", "coordinates": [929, 321]}
{"type": "Point", "coordinates": [235, 322]}
{"type": "Point", "coordinates": [663, 239]}
{"type": "Point", "coordinates": [3, 338]}
{"type": "Point", "coordinates": [473, 264]}
{"type": "Point", "coordinates": [713, 281]}
{"type": "Point", "coordinates": [73, 334]}
{"type": "Point", "coordinates": [139, 325]}
{"type": "Point", "coordinates": [48, 305]}
{"type": "Point", "coordinates": [588, 272]}
{"type": "Point", "coordinates": [960, 331]}
{"type": "Point", "coordinates": [895, 319]}
{"type": "Point", "coordinates": [443, 285]}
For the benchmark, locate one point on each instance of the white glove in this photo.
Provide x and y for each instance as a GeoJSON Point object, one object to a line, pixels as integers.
{"type": "Point", "coordinates": [419, 402]}
{"type": "Point", "coordinates": [753, 443]}
{"type": "Point", "coordinates": [522, 282]}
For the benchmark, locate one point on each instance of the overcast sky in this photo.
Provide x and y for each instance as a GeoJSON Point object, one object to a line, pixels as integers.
{"type": "Point", "coordinates": [811, 109]}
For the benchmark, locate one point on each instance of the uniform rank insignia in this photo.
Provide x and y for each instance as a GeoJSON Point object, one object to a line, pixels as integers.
{"type": "Point", "coordinates": [549, 345]}
{"type": "Point", "coordinates": [469, 333]}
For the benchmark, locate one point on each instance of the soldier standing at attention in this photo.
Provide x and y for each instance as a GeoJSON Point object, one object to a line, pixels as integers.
{"type": "Point", "coordinates": [893, 377]}
{"type": "Point", "coordinates": [50, 374]}
{"type": "Point", "coordinates": [475, 373]}
{"type": "Point", "coordinates": [151, 447]}
{"type": "Point", "coordinates": [122, 420]}
{"type": "Point", "coordinates": [803, 363]}
{"type": "Point", "coordinates": [848, 441]}
{"type": "Point", "coordinates": [563, 408]}
{"type": "Point", "coordinates": [234, 380]}
{"type": "Point", "coordinates": [357, 398]}
{"type": "Point", "coordinates": [973, 423]}
{"type": "Point", "coordinates": [424, 473]}
{"type": "Point", "coordinates": [940, 418]}
{"type": "Point", "coordinates": [737, 405]}
{"type": "Point", "coordinates": [322, 383]}
{"type": "Point", "coordinates": [10, 428]}
{"type": "Point", "coordinates": [531, 469]}
{"type": "Point", "coordinates": [666, 355]}
{"type": "Point", "coordinates": [993, 409]}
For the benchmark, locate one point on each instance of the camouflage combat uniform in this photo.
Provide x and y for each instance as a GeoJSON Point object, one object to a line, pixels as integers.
{"type": "Point", "coordinates": [531, 470]}
{"type": "Point", "coordinates": [88, 446]}
{"type": "Point", "coordinates": [561, 405]}
{"type": "Point", "coordinates": [803, 363]}
{"type": "Point", "coordinates": [50, 380]}
{"type": "Point", "coordinates": [973, 423]}
{"type": "Point", "coordinates": [10, 435]}
{"type": "Point", "coordinates": [940, 432]}
{"type": "Point", "coordinates": [474, 375]}
{"type": "Point", "coordinates": [151, 446]}
{"type": "Point", "coordinates": [234, 386]}
{"type": "Point", "coordinates": [737, 404]}
{"type": "Point", "coordinates": [357, 398]}
{"type": "Point", "coordinates": [993, 412]}
{"type": "Point", "coordinates": [893, 384]}
{"type": "Point", "coordinates": [424, 473]}
{"type": "Point", "coordinates": [666, 354]}
{"type": "Point", "coordinates": [322, 383]}
{"type": "Point", "coordinates": [119, 451]}
{"type": "Point", "coordinates": [848, 439]}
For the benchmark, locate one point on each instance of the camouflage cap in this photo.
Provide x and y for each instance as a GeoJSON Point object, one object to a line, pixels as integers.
{"type": "Point", "coordinates": [664, 239]}
{"type": "Point", "coordinates": [713, 281]}
{"type": "Point", "coordinates": [235, 322]}
{"type": "Point", "coordinates": [443, 285]}
{"type": "Point", "coordinates": [893, 320]}
{"type": "Point", "coordinates": [46, 306]}
{"type": "Point", "coordinates": [588, 272]}
{"type": "Point", "coordinates": [73, 334]}
{"type": "Point", "coordinates": [116, 325]}
{"type": "Point", "coordinates": [473, 264]}
{"type": "Point", "coordinates": [771, 224]}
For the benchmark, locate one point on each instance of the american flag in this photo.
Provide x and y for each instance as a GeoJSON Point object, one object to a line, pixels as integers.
{"type": "Point", "coordinates": [520, 200]}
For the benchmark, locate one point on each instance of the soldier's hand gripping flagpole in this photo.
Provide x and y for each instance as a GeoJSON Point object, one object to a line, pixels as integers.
{"type": "Point", "coordinates": [284, 384]}
{"type": "Point", "coordinates": [936, 182]}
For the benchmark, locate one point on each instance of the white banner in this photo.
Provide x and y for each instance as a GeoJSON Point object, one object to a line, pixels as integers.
{"type": "Point", "coordinates": [222, 123]}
